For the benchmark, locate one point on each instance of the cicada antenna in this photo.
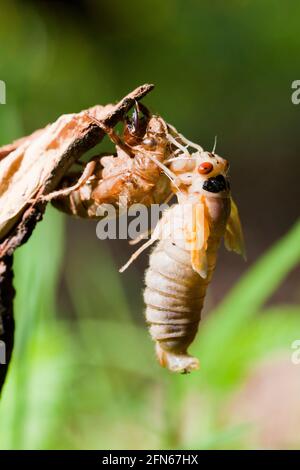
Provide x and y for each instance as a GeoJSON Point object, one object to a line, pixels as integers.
{"type": "Point", "coordinates": [215, 144]}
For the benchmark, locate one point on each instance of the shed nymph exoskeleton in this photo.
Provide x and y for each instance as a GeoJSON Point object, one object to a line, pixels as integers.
{"type": "Point", "coordinates": [133, 175]}
{"type": "Point", "coordinates": [183, 261]}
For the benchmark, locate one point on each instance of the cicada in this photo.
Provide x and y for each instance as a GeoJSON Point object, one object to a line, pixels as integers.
{"type": "Point", "coordinates": [182, 263]}
{"type": "Point", "coordinates": [134, 174]}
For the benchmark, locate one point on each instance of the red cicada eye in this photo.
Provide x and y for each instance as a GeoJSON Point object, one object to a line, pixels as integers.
{"type": "Point", "coordinates": [205, 168]}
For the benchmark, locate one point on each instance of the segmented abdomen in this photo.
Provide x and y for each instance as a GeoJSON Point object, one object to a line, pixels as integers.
{"type": "Point", "coordinates": [174, 297]}
{"type": "Point", "coordinates": [120, 187]}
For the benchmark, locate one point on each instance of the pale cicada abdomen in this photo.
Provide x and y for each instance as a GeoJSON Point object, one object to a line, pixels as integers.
{"type": "Point", "coordinates": [174, 297]}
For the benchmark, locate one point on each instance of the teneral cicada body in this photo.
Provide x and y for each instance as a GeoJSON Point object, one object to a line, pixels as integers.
{"type": "Point", "coordinates": [183, 262]}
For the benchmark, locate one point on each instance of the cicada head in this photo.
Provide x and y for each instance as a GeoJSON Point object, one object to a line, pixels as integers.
{"type": "Point", "coordinates": [201, 170]}
{"type": "Point", "coordinates": [210, 174]}
{"type": "Point", "coordinates": [210, 164]}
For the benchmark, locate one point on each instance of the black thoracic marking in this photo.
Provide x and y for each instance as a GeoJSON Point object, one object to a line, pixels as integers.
{"type": "Point", "coordinates": [216, 184]}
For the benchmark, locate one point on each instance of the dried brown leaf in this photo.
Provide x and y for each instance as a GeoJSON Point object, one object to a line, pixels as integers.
{"type": "Point", "coordinates": [34, 165]}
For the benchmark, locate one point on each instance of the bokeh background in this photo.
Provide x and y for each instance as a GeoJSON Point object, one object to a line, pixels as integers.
{"type": "Point", "coordinates": [83, 373]}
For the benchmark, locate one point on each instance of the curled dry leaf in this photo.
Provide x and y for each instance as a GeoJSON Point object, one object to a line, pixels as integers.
{"type": "Point", "coordinates": [33, 166]}
{"type": "Point", "coordinates": [38, 163]}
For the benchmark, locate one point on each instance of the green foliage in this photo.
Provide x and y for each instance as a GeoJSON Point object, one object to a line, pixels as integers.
{"type": "Point", "coordinates": [234, 332]}
{"type": "Point", "coordinates": [30, 404]}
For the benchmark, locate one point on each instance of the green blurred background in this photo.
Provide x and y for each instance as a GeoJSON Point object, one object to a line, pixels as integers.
{"type": "Point", "coordinates": [83, 373]}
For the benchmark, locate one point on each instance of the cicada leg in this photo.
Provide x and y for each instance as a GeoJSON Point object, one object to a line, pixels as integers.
{"type": "Point", "coordinates": [87, 173]}
{"type": "Point", "coordinates": [113, 136]}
